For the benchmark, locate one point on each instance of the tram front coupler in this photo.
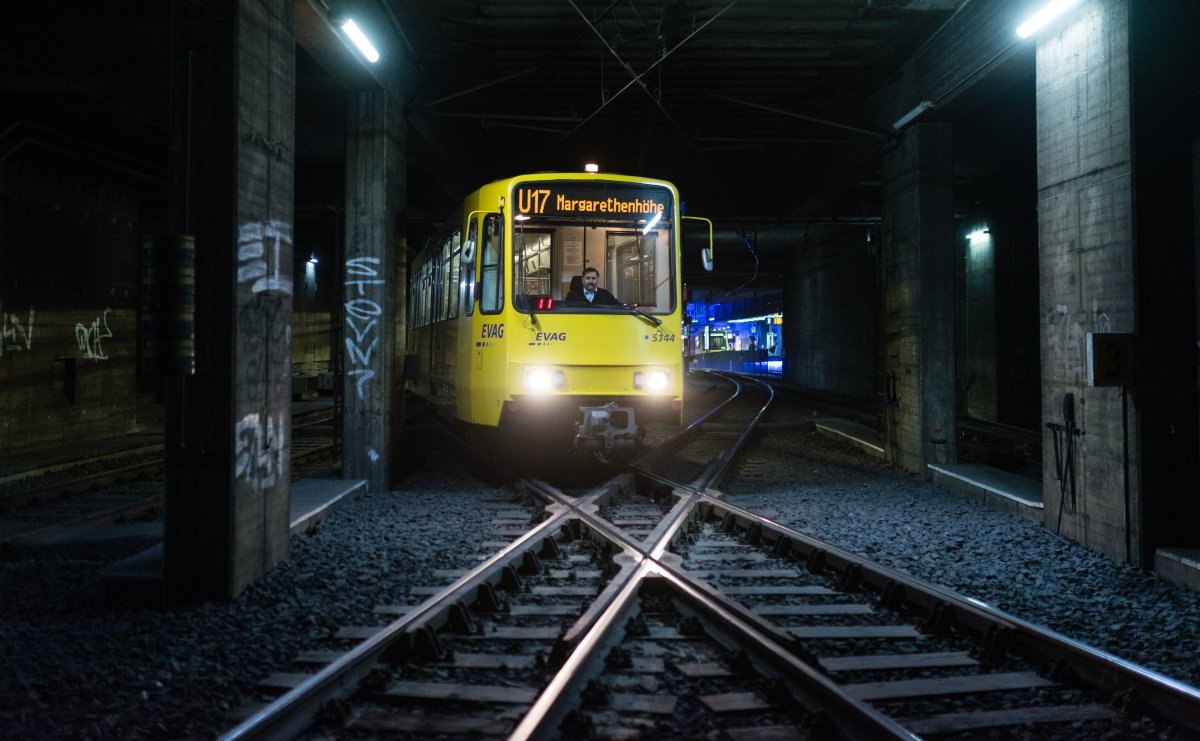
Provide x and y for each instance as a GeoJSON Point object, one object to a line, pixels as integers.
{"type": "Point", "coordinates": [609, 431]}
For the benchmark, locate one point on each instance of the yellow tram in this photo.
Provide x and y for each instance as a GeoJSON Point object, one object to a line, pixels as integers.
{"type": "Point", "coordinates": [494, 339]}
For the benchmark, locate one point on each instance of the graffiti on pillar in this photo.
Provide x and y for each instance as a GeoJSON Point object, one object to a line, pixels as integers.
{"type": "Point", "coordinates": [15, 335]}
{"type": "Point", "coordinates": [260, 450]}
{"type": "Point", "coordinates": [1067, 338]}
{"type": "Point", "coordinates": [362, 316]}
{"type": "Point", "coordinates": [90, 337]}
{"type": "Point", "coordinates": [264, 256]}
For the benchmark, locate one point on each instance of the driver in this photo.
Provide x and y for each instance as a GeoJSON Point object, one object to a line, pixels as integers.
{"type": "Point", "coordinates": [592, 292]}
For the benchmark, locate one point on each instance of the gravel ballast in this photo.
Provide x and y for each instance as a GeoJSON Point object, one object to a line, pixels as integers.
{"type": "Point", "coordinates": [834, 492]}
{"type": "Point", "coordinates": [79, 664]}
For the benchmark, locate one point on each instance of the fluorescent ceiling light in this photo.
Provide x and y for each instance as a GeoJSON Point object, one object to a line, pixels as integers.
{"type": "Point", "coordinates": [648, 227]}
{"type": "Point", "coordinates": [978, 234]}
{"type": "Point", "coordinates": [907, 118]}
{"type": "Point", "coordinates": [351, 29]}
{"type": "Point", "coordinates": [1043, 16]}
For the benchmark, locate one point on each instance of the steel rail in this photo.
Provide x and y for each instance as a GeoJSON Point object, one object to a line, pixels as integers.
{"type": "Point", "coordinates": [295, 711]}
{"type": "Point", "coordinates": [714, 475]}
{"type": "Point", "coordinates": [854, 718]}
{"type": "Point", "coordinates": [771, 646]}
{"type": "Point", "coordinates": [580, 647]}
{"type": "Point", "coordinates": [1176, 700]}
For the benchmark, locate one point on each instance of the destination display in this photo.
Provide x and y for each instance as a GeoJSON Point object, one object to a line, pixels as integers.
{"type": "Point", "coordinates": [590, 199]}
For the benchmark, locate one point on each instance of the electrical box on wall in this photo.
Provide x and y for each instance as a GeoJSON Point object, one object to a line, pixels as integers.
{"type": "Point", "coordinates": [1109, 359]}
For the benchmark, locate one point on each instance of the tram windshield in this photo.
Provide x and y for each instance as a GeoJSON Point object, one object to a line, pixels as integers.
{"type": "Point", "coordinates": [624, 231]}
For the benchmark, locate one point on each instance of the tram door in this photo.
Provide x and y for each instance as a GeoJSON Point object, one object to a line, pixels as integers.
{"type": "Point", "coordinates": [488, 374]}
{"type": "Point", "coordinates": [466, 322]}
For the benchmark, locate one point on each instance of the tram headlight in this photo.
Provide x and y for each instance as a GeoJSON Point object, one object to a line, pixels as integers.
{"type": "Point", "coordinates": [653, 381]}
{"type": "Point", "coordinates": [543, 380]}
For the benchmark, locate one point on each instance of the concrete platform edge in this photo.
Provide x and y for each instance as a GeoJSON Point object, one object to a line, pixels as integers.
{"type": "Point", "coordinates": [1179, 565]}
{"type": "Point", "coordinates": [987, 494]}
{"type": "Point", "coordinates": [830, 429]}
{"type": "Point", "coordinates": [142, 573]}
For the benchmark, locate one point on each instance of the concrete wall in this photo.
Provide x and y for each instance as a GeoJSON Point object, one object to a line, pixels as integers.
{"type": "Point", "coordinates": [831, 305]}
{"type": "Point", "coordinates": [59, 315]}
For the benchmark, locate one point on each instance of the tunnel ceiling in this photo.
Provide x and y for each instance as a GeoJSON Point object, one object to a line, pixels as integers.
{"type": "Point", "coordinates": [750, 107]}
{"type": "Point", "coordinates": [753, 108]}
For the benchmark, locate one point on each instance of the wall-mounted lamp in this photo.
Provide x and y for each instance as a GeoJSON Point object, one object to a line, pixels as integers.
{"type": "Point", "coordinates": [591, 167]}
{"type": "Point", "coordinates": [1044, 16]}
{"type": "Point", "coordinates": [907, 118]}
{"type": "Point", "coordinates": [351, 29]}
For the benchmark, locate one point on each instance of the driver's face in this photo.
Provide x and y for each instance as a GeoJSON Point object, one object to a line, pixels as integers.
{"type": "Point", "coordinates": [590, 280]}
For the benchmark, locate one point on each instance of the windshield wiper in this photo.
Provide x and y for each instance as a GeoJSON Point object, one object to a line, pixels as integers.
{"type": "Point", "coordinates": [652, 319]}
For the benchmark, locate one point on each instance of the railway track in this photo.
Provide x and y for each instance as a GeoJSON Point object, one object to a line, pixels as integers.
{"type": "Point", "coordinates": [649, 606]}
{"type": "Point", "coordinates": [117, 489]}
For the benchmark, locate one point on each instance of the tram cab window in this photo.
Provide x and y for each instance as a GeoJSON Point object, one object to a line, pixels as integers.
{"type": "Point", "coordinates": [633, 260]}
{"type": "Point", "coordinates": [491, 299]}
{"type": "Point", "coordinates": [532, 250]}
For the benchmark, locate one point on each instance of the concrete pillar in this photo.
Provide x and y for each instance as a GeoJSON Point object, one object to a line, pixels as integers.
{"type": "Point", "coordinates": [373, 280]}
{"type": "Point", "coordinates": [1118, 255]}
{"type": "Point", "coordinates": [1085, 233]}
{"type": "Point", "coordinates": [231, 171]}
{"type": "Point", "coordinates": [918, 285]}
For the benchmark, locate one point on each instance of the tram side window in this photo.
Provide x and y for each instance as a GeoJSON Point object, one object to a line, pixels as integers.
{"type": "Point", "coordinates": [418, 295]}
{"type": "Point", "coordinates": [435, 289]}
{"type": "Point", "coordinates": [442, 305]}
{"type": "Point", "coordinates": [412, 299]}
{"type": "Point", "coordinates": [492, 278]}
{"type": "Point", "coordinates": [426, 292]}
{"type": "Point", "coordinates": [468, 276]}
{"type": "Point", "coordinates": [452, 273]}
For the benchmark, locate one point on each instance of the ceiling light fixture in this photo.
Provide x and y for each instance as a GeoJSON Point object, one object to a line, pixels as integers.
{"type": "Point", "coordinates": [1043, 16]}
{"type": "Point", "coordinates": [351, 29]}
{"type": "Point", "coordinates": [907, 118]}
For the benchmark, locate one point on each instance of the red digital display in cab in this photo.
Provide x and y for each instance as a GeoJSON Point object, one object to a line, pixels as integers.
{"type": "Point", "coordinates": [543, 303]}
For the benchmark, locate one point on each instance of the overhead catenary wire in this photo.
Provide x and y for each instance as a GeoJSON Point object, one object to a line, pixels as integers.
{"type": "Point", "coordinates": [637, 79]}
